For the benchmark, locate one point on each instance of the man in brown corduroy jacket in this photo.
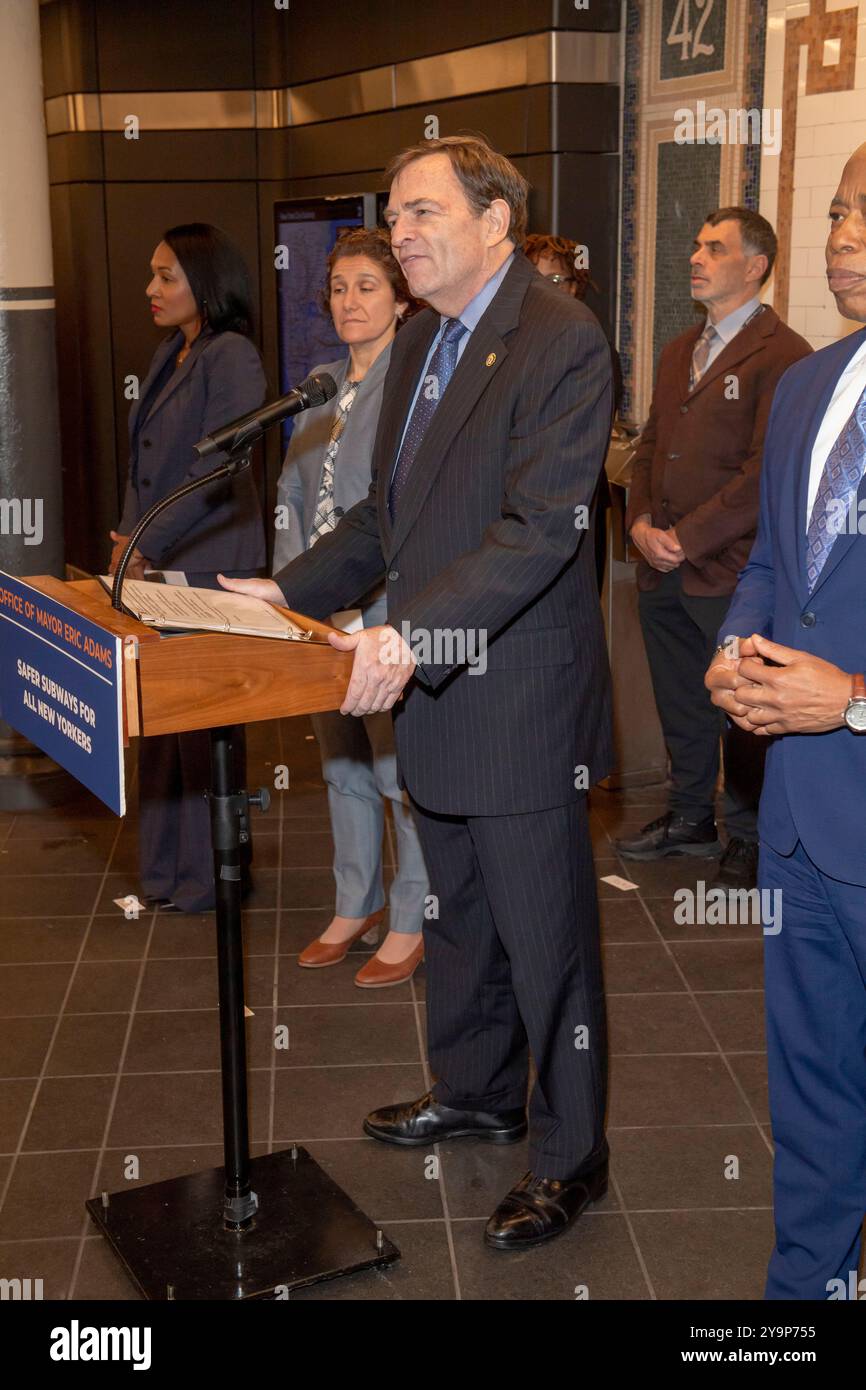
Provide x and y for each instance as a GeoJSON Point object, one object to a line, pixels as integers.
{"type": "Point", "coordinates": [692, 514]}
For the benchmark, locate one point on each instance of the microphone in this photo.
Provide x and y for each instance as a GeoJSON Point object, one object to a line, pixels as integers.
{"type": "Point", "coordinates": [242, 433]}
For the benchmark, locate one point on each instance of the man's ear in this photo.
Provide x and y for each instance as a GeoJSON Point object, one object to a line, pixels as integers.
{"type": "Point", "coordinates": [498, 215]}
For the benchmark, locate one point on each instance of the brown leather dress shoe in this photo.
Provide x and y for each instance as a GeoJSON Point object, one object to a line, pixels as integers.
{"type": "Point", "coordinates": [320, 953]}
{"type": "Point", "coordinates": [536, 1209]}
{"type": "Point", "coordinates": [377, 974]}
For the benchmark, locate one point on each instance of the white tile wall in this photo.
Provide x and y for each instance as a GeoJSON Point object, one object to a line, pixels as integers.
{"type": "Point", "coordinates": [829, 127]}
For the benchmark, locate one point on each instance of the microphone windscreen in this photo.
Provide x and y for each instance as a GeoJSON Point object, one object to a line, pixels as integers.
{"type": "Point", "coordinates": [318, 389]}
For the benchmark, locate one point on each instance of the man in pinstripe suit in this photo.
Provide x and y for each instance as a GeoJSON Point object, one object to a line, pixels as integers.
{"type": "Point", "coordinates": [495, 419]}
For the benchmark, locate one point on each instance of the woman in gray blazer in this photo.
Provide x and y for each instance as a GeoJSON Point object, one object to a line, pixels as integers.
{"type": "Point", "coordinates": [205, 373]}
{"type": "Point", "coordinates": [326, 470]}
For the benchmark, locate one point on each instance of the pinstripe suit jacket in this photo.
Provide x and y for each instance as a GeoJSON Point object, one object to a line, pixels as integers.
{"type": "Point", "coordinates": [487, 538]}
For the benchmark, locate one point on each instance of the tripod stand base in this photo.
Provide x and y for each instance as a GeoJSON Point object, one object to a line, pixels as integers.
{"type": "Point", "coordinates": [171, 1240]}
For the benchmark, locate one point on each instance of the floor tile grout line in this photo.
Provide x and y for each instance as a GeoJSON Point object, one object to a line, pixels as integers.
{"type": "Point", "coordinates": [4, 1191]}
{"type": "Point", "coordinates": [331, 1066]}
{"type": "Point", "coordinates": [440, 1174]}
{"type": "Point", "coordinates": [366, 1139]}
{"type": "Point", "coordinates": [275, 974]}
{"type": "Point", "coordinates": [694, 995]}
{"type": "Point", "coordinates": [119, 1077]}
{"type": "Point", "coordinates": [632, 1233]}
{"type": "Point", "coordinates": [112, 1103]}
{"type": "Point", "coordinates": [725, 1062]}
{"type": "Point", "coordinates": [455, 1220]}
{"type": "Point", "coordinates": [348, 1004]}
{"type": "Point", "coordinates": [121, 960]}
{"type": "Point", "coordinates": [321, 1066]}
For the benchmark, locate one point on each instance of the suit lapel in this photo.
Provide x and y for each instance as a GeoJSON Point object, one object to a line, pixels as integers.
{"type": "Point", "coordinates": [395, 406]}
{"type": "Point", "coordinates": [843, 542]}
{"type": "Point", "coordinates": [180, 373]}
{"type": "Point", "coordinates": [743, 344]}
{"type": "Point", "coordinates": [158, 361]}
{"type": "Point", "coordinates": [481, 360]}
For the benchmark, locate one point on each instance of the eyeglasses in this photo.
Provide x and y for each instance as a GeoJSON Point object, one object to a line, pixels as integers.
{"type": "Point", "coordinates": [561, 279]}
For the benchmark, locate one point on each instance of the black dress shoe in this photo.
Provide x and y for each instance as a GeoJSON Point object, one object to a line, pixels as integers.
{"type": "Point", "coordinates": [149, 901]}
{"type": "Point", "coordinates": [739, 865]}
{"type": "Point", "coordinates": [425, 1121]}
{"type": "Point", "coordinates": [672, 834]}
{"type": "Point", "coordinates": [538, 1209]}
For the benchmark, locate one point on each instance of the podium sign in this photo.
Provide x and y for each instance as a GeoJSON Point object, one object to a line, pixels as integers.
{"type": "Point", "coordinates": [61, 687]}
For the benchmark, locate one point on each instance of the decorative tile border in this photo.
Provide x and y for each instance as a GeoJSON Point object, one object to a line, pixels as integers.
{"type": "Point", "coordinates": [814, 30]}
{"type": "Point", "coordinates": [649, 104]}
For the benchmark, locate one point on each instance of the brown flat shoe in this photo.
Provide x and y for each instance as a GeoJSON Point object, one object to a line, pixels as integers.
{"type": "Point", "coordinates": [320, 953]}
{"type": "Point", "coordinates": [376, 974]}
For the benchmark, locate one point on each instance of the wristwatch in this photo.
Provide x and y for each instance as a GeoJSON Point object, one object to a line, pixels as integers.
{"type": "Point", "coordinates": [854, 712]}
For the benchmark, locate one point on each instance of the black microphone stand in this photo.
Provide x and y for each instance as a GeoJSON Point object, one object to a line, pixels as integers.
{"type": "Point", "coordinates": [239, 459]}
{"type": "Point", "coordinates": [299, 1227]}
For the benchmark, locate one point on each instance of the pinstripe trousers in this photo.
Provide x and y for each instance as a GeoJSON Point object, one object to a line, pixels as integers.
{"type": "Point", "coordinates": [513, 966]}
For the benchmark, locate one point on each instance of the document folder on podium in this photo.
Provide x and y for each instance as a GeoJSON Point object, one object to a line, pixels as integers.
{"type": "Point", "coordinates": [254, 1228]}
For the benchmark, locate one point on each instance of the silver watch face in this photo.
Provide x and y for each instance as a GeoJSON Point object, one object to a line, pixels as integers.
{"type": "Point", "coordinates": [855, 716]}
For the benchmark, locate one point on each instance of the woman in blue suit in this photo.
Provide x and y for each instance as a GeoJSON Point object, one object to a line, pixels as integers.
{"type": "Point", "coordinates": [326, 471]}
{"type": "Point", "coordinates": [205, 373]}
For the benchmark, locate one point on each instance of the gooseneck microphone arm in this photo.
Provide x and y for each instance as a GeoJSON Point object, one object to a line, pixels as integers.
{"type": "Point", "coordinates": [235, 439]}
{"type": "Point", "coordinates": [229, 469]}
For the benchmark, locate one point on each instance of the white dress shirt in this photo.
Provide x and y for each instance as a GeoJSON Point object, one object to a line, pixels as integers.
{"type": "Point", "coordinates": [849, 389]}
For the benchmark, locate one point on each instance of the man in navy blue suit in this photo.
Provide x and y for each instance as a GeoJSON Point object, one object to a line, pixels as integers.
{"type": "Point", "coordinates": [800, 614]}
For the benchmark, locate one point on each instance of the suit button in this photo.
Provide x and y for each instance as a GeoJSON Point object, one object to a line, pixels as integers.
{"type": "Point", "coordinates": [684, 410]}
{"type": "Point", "coordinates": [808, 620]}
{"type": "Point", "coordinates": [393, 574]}
{"type": "Point", "coordinates": [145, 482]}
{"type": "Point", "coordinates": [145, 443]}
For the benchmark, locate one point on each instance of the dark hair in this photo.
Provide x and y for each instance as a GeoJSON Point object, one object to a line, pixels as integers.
{"type": "Point", "coordinates": [217, 275]}
{"type": "Point", "coordinates": [483, 172]}
{"type": "Point", "coordinates": [375, 243]}
{"type": "Point", "coordinates": [758, 236]}
{"type": "Point", "coordinates": [562, 249]}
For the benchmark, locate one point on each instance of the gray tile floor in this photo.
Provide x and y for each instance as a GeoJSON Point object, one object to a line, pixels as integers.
{"type": "Point", "coordinates": [109, 1052]}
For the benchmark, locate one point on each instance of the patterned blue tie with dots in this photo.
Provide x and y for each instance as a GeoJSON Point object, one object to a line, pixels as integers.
{"type": "Point", "coordinates": [836, 490]}
{"type": "Point", "coordinates": [436, 378]}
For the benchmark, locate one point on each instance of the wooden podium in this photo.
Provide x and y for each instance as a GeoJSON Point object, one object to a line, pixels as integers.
{"type": "Point", "coordinates": [252, 1229]}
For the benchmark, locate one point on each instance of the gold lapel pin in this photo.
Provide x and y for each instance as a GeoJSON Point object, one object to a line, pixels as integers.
{"type": "Point", "coordinates": [490, 359]}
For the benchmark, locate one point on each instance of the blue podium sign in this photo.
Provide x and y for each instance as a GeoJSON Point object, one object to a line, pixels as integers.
{"type": "Point", "coordinates": [60, 686]}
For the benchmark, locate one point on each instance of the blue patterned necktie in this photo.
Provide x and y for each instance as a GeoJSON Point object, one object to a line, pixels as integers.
{"type": "Point", "coordinates": [836, 490]}
{"type": "Point", "coordinates": [436, 378]}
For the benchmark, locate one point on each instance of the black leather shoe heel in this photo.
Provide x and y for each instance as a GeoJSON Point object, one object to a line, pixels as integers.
{"type": "Point", "coordinates": [425, 1121]}
{"type": "Point", "coordinates": [537, 1209]}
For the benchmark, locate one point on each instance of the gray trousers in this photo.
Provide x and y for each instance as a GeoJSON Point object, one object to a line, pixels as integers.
{"type": "Point", "coordinates": [359, 766]}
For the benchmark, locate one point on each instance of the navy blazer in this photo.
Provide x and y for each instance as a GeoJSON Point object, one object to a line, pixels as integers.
{"type": "Point", "coordinates": [219, 527]}
{"type": "Point", "coordinates": [814, 784]}
{"type": "Point", "coordinates": [301, 476]}
{"type": "Point", "coordinates": [487, 536]}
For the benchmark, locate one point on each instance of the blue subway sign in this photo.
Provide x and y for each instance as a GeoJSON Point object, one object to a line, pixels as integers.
{"type": "Point", "coordinates": [60, 686]}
